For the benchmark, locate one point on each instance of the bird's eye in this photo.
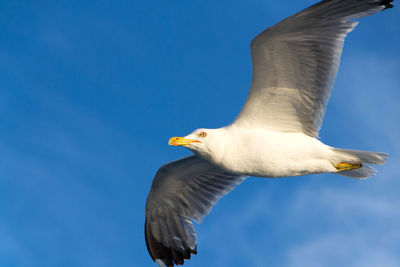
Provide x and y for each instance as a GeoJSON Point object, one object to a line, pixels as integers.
{"type": "Point", "coordinates": [203, 134]}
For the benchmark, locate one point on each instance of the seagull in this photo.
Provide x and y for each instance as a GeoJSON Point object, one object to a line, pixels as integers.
{"type": "Point", "coordinates": [275, 134]}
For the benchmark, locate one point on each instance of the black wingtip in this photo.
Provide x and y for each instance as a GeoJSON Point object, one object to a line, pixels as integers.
{"type": "Point", "coordinates": [387, 4]}
{"type": "Point", "coordinates": [168, 256]}
{"type": "Point", "coordinates": [194, 251]}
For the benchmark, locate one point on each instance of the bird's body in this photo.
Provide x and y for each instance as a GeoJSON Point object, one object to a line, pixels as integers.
{"type": "Point", "coordinates": [266, 153]}
{"type": "Point", "coordinates": [276, 133]}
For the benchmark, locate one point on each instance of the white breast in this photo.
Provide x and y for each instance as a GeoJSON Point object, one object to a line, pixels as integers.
{"type": "Point", "coordinates": [264, 153]}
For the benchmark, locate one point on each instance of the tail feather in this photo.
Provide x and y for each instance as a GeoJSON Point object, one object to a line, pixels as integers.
{"type": "Point", "coordinates": [362, 173]}
{"type": "Point", "coordinates": [367, 157]}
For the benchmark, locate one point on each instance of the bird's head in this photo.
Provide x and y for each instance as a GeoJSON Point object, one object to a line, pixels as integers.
{"type": "Point", "coordinates": [204, 142]}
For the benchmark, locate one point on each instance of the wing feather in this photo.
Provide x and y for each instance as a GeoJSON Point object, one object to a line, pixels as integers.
{"type": "Point", "coordinates": [295, 64]}
{"type": "Point", "coordinates": [182, 191]}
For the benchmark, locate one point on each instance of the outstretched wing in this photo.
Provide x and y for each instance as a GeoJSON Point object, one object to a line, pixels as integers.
{"type": "Point", "coordinates": [295, 64]}
{"type": "Point", "coordinates": [182, 191]}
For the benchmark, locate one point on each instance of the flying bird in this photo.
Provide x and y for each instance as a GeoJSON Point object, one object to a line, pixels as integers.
{"type": "Point", "coordinates": [275, 134]}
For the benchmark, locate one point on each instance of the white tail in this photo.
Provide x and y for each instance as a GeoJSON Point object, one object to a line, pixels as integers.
{"type": "Point", "coordinates": [367, 157]}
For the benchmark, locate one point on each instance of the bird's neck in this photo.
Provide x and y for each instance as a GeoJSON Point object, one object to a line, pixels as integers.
{"type": "Point", "coordinates": [223, 138]}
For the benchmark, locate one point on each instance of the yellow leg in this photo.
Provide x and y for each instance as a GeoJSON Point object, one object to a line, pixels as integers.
{"type": "Point", "coordinates": [343, 166]}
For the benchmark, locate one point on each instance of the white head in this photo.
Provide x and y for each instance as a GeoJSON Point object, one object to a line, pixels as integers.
{"type": "Point", "coordinates": [207, 143]}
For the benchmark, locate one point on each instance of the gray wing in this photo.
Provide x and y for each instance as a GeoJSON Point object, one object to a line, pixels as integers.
{"type": "Point", "coordinates": [182, 191]}
{"type": "Point", "coordinates": [295, 64]}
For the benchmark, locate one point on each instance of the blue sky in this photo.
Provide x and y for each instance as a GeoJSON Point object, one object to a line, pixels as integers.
{"type": "Point", "coordinates": [91, 91]}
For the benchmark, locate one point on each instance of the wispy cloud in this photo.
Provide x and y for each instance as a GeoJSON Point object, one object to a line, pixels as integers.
{"type": "Point", "coordinates": [361, 229]}
{"type": "Point", "coordinates": [343, 249]}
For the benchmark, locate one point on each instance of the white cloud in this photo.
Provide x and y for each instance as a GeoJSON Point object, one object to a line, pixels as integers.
{"type": "Point", "coordinates": [361, 228]}
{"type": "Point", "coordinates": [343, 249]}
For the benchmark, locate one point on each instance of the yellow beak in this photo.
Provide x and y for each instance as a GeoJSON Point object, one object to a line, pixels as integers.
{"type": "Point", "coordinates": [180, 141]}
